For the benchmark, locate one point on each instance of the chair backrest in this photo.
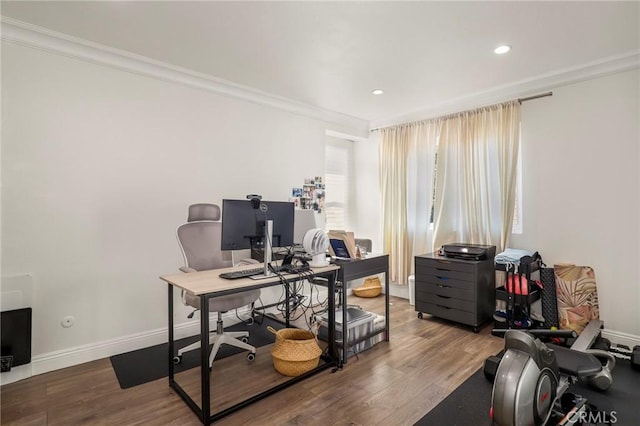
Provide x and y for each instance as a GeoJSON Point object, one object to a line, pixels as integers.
{"type": "Point", "coordinates": [364, 242]}
{"type": "Point", "coordinates": [200, 239]}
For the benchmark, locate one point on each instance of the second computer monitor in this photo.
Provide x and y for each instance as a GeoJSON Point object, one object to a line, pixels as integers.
{"type": "Point", "coordinates": [304, 221]}
{"type": "Point", "coordinates": [243, 225]}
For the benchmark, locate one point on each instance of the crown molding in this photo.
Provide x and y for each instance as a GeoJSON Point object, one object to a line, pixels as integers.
{"type": "Point", "coordinates": [33, 36]}
{"type": "Point", "coordinates": [520, 89]}
{"type": "Point", "coordinates": [62, 44]}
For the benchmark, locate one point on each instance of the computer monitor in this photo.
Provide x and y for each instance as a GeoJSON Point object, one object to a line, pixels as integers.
{"type": "Point", "coordinates": [304, 221]}
{"type": "Point", "coordinates": [243, 225]}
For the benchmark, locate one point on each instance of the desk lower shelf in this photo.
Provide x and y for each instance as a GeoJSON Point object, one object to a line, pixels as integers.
{"type": "Point", "coordinates": [362, 268]}
{"type": "Point", "coordinates": [363, 334]}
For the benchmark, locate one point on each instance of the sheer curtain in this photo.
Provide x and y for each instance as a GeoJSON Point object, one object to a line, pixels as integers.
{"type": "Point", "coordinates": [477, 158]}
{"type": "Point", "coordinates": [407, 159]}
{"type": "Point", "coordinates": [476, 176]}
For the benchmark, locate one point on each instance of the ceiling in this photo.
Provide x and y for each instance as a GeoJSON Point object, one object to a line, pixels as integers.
{"type": "Point", "coordinates": [331, 55]}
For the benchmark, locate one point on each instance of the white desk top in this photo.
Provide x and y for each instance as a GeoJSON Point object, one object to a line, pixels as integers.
{"type": "Point", "coordinates": [205, 282]}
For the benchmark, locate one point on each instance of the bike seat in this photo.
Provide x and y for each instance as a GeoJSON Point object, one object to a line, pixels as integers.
{"type": "Point", "coordinates": [575, 363]}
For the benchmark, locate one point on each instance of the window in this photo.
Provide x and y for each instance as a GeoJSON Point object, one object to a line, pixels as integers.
{"type": "Point", "coordinates": [516, 227]}
{"type": "Point", "coordinates": [433, 193]}
{"type": "Point", "coordinates": [339, 184]}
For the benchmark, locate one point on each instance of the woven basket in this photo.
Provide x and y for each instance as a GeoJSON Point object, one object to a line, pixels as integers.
{"type": "Point", "coordinates": [371, 287]}
{"type": "Point", "coordinates": [295, 351]}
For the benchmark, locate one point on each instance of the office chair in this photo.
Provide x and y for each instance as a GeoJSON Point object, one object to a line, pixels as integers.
{"type": "Point", "coordinates": [365, 243]}
{"type": "Point", "coordinates": [199, 241]}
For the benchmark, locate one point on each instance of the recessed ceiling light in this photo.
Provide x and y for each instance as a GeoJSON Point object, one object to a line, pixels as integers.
{"type": "Point", "coordinates": [377, 91]}
{"type": "Point", "coordinates": [501, 50]}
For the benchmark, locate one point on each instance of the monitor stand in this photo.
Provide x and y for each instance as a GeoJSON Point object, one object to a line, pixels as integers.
{"type": "Point", "coordinates": [268, 231]}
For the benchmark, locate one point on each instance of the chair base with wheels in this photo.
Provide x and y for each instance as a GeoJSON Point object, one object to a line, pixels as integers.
{"type": "Point", "coordinates": [238, 339]}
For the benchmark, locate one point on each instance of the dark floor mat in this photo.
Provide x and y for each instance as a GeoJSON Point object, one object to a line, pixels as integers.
{"type": "Point", "coordinates": [148, 364]}
{"type": "Point", "coordinates": [469, 403]}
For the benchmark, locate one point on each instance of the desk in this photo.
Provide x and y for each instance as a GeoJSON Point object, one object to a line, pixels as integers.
{"type": "Point", "coordinates": [208, 284]}
{"type": "Point", "coordinates": [361, 268]}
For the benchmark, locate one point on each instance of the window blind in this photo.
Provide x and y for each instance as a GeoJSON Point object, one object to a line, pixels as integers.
{"type": "Point", "coordinates": [338, 184]}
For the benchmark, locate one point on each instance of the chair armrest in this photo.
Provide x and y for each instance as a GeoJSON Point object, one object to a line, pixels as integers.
{"type": "Point", "coordinates": [187, 269]}
{"type": "Point", "coordinates": [364, 242]}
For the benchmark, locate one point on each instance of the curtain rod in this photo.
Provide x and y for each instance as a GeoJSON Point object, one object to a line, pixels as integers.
{"type": "Point", "coordinates": [530, 98]}
{"type": "Point", "coordinates": [520, 100]}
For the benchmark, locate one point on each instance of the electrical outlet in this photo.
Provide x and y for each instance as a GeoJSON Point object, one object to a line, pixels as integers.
{"type": "Point", "coordinates": [68, 321]}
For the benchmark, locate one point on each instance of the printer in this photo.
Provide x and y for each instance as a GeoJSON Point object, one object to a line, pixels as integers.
{"type": "Point", "coordinates": [468, 251]}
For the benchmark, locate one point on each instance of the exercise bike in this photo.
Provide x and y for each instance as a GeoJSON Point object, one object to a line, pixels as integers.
{"type": "Point", "coordinates": [532, 380]}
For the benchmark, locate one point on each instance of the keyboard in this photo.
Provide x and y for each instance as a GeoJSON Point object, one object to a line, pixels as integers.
{"type": "Point", "coordinates": [241, 274]}
{"type": "Point", "coordinates": [289, 269]}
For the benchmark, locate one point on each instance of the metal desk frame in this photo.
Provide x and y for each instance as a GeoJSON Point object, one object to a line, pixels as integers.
{"type": "Point", "coordinates": [221, 287]}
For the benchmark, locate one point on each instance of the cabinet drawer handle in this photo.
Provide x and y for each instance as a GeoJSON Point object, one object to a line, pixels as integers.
{"type": "Point", "coordinates": [443, 297]}
{"type": "Point", "coordinates": [443, 286]}
{"type": "Point", "coordinates": [443, 307]}
{"type": "Point", "coordinates": [442, 269]}
{"type": "Point", "coordinates": [442, 278]}
{"type": "Point", "coordinates": [443, 261]}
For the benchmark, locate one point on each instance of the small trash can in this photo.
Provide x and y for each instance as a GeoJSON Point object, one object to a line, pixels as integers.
{"type": "Point", "coordinates": [412, 290]}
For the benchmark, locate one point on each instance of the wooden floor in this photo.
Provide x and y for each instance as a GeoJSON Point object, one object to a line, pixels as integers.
{"type": "Point", "coordinates": [393, 383]}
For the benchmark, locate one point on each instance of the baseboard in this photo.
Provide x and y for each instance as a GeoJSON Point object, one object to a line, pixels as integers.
{"type": "Point", "coordinates": [620, 338]}
{"type": "Point", "coordinates": [16, 373]}
{"type": "Point", "coordinates": [81, 354]}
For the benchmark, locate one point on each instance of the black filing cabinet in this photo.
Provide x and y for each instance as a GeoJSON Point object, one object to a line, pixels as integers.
{"type": "Point", "coordinates": [455, 289]}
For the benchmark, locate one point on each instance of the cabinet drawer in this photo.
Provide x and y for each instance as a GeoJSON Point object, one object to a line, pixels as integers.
{"type": "Point", "coordinates": [465, 292]}
{"type": "Point", "coordinates": [464, 275]}
{"type": "Point", "coordinates": [446, 313]}
{"type": "Point", "coordinates": [446, 264]}
{"type": "Point", "coordinates": [449, 302]}
{"type": "Point", "coordinates": [445, 281]}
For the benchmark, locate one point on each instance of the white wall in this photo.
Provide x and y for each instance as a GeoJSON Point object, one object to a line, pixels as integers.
{"type": "Point", "coordinates": [98, 168]}
{"type": "Point", "coordinates": [581, 187]}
